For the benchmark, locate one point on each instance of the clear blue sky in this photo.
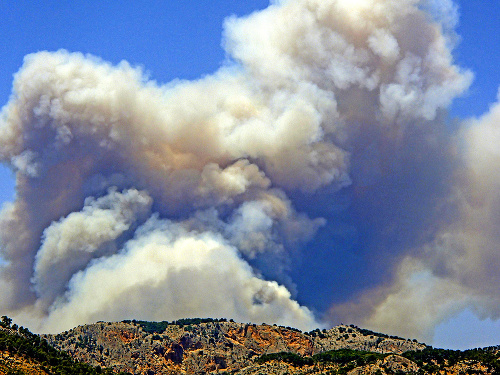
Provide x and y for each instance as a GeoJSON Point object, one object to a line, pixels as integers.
{"type": "Point", "coordinates": [182, 39]}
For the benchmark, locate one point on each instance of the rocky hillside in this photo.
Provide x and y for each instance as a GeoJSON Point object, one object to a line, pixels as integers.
{"type": "Point", "coordinates": [194, 346]}
{"type": "Point", "coordinates": [25, 353]}
{"type": "Point", "coordinates": [204, 346]}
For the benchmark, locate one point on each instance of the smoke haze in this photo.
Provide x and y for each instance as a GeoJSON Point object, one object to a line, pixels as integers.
{"type": "Point", "coordinates": [326, 135]}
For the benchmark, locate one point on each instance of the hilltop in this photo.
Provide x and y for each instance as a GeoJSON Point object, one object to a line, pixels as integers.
{"type": "Point", "coordinates": [25, 353]}
{"type": "Point", "coordinates": [201, 346]}
{"type": "Point", "coordinates": [205, 346]}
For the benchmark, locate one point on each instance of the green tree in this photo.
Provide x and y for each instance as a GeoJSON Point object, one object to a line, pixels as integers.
{"type": "Point", "coordinates": [6, 322]}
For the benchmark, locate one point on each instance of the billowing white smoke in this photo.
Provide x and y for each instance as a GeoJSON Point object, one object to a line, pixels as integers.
{"type": "Point", "coordinates": [166, 271]}
{"type": "Point", "coordinates": [152, 202]}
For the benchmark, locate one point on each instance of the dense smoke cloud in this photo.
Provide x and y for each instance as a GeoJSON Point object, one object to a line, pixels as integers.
{"type": "Point", "coordinates": [135, 200]}
{"type": "Point", "coordinates": [457, 267]}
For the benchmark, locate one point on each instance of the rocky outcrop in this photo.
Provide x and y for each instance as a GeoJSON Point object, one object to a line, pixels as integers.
{"type": "Point", "coordinates": [204, 346]}
{"type": "Point", "coordinates": [25, 353]}
{"type": "Point", "coordinates": [398, 364]}
{"type": "Point", "coordinates": [349, 337]}
{"type": "Point", "coordinates": [208, 347]}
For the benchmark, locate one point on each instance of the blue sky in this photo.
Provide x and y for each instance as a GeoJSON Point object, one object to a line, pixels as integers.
{"type": "Point", "coordinates": [182, 40]}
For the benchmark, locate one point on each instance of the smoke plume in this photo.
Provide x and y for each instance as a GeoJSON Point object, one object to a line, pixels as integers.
{"type": "Point", "coordinates": [326, 135]}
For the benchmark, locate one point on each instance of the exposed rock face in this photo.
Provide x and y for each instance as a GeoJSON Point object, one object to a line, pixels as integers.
{"type": "Point", "coordinates": [344, 337]}
{"type": "Point", "coordinates": [208, 347]}
{"type": "Point", "coordinates": [397, 363]}
{"type": "Point", "coordinates": [25, 353]}
{"type": "Point", "coordinates": [218, 346]}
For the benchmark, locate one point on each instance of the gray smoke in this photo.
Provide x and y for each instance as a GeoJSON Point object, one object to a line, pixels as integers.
{"type": "Point", "coordinates": [135, 200]}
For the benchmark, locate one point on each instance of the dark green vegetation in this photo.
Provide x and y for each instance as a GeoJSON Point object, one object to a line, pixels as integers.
{"type": "Point", "coordinates": [159, 327]}
{"type": "Point", "coordinates": [294, 359]}
{"type": "Point", "coordinates": [433, 360]}
{"type": "Point", "coordinates": [21, 342]}
{"type": "Point", "coordinates": [347, 356]}
{"type": "Point", "coordinates": [347, 359]}
{"type": "Point", "coordinates": [430, 360]}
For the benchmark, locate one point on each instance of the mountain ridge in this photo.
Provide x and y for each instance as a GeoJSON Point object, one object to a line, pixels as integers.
{"type": "Point", "coordinates": [210, 346]}
{"type": "Point", "coordinates": [207, 345]}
